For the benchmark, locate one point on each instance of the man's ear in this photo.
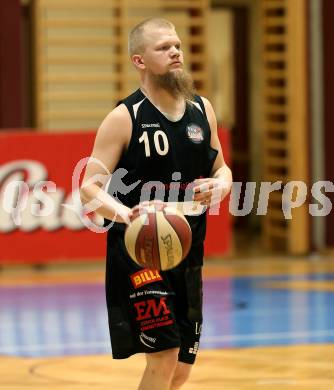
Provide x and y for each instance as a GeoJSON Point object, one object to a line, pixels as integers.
{"type": "Point", "coordinates": [138, 61]}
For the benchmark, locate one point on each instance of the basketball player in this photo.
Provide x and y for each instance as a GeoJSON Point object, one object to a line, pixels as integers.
{"type": "Point", "coordinates": [163, 132]}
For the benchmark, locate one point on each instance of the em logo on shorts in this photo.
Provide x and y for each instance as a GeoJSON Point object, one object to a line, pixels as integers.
{"type": "Point", "coordinates": [195, 133]}
{"type": "Point", "coordinates": [145, 276]}
{"type": "Point", "coordinates": [153, 313]}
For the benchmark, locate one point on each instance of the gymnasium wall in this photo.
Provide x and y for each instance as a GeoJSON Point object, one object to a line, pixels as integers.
{"type": "Point", "coordinates": [328, 66]}
{"type": "Point", "coordinates": [11, 82]}
{"type": "Point", "coordinates": [80, 69]}
{"type": "Point", "coordinates": [82, 65]}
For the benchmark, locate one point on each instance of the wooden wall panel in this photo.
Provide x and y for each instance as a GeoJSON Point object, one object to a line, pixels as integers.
{"type": "Point", "coordinates": [82, 65]}
{"type": "Point", "coordinates": [328, 62]}
{"type": "Point", "coordinates": [11, 88]}
{"type": "Point", "coordinates": [285, 122]}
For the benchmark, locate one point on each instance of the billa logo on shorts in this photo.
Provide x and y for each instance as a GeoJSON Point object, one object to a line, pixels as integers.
{"type": "Point", "coordinates": [145, 276]}
{"type": "Point", "coordinates": [195, 133]}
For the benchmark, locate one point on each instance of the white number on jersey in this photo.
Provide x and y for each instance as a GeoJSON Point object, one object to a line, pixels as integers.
{"type": "Point", "coordinates": [159, 135]}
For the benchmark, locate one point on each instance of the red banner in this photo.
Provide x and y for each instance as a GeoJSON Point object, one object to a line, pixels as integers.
{"type": "Point", "coordinates": [27, 237]}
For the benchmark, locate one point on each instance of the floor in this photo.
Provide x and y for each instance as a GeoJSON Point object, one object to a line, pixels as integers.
{"type": "Point", "coordinates": [269, 323]}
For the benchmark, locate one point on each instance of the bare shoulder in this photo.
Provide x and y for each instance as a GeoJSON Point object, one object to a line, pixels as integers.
{"type": "Point", "coordinates": [207, 104]}
{"type": "Point", "coordinates": [116, 125]}
{"type": "Point", "coordinates": [210, 113]}
{"type": "Point", "coordinates": [112, 138]}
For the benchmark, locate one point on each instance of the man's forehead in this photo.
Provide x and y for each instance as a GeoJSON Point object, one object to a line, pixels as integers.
{"type": "Point", "coordinates": [160, 34]}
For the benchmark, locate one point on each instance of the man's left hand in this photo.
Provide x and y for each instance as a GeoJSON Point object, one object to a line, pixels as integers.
{"type": "Point", "coordinates": [210, 191]}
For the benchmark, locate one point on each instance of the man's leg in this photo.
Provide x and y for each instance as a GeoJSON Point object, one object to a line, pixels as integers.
{"type": "Point", "coordinates": [181, 375]}
{"type": "Point", "coordinates": [159, 371]}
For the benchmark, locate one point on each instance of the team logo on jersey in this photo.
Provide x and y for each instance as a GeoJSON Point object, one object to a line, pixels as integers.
{"type": "Point", "coordinates": [195, 133]}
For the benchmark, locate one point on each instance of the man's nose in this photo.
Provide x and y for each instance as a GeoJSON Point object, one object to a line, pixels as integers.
{"type": "Point", "coordinates": [175, 52]}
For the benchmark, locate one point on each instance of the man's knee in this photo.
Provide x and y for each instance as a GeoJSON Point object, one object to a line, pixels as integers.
{"type": "Point", "coordinates": [181, 375]}
{"type": "Point", "coordinates": [163, 363]}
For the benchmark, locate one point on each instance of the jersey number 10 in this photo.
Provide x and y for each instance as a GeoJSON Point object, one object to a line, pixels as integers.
{"type": "Point", "coordinates": [159, 138]}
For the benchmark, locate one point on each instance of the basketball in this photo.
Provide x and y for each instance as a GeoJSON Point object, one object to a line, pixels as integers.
{"type": "Point", "coordinates": [158, 237]}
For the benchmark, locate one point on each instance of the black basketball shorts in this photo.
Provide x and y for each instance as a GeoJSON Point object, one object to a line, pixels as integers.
{"type": "Point", "coordinates": [151, 311]}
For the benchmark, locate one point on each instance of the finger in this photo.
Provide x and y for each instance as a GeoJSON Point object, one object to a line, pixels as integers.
{"type": "Point", "coordinates": [157, 205]}
{"type": "Point", "coordinates": [206, 202]}
{"type": "Point", "coordinates": [200, 196]}
{"type": "Point", "coordinates": [156, 202]}
{"type": "Point", "coordinates": [203, 199]}
{"type": "Point", "coordinates": [136, 209]}
{"type": "Point", "coordinates": [133, 214]}
{"type": "Point", "coordinates": [128, 219]}
{"type": "Point", "coordinates": [205, 187]}
{"type": "Point", "coordinates": [201, 181]}
{"type": "Point", "coordinates": [139, 208]}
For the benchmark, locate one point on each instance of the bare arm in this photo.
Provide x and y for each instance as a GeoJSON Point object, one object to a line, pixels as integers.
{"type": "Point", "coordinates": [214, 189]}
{"type": "Point", "coordinates": [111, 140]}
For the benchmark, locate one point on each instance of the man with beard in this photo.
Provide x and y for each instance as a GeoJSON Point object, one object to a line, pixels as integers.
{"type": "Point", "coordinates": [161, 132]}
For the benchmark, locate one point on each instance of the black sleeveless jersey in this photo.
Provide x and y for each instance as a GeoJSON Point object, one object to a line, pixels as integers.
{"type": "Point", "coordinates": [163, 158]}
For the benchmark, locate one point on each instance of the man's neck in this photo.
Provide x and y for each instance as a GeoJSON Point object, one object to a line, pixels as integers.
{"type": "Point", "coordinates": [162, 99]}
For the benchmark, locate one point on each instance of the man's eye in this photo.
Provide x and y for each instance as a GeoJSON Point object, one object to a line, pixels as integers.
{"type": "Point", "coordinates": [164, 48]}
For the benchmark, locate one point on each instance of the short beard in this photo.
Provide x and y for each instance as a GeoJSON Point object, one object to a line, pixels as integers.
{"type": "Point", "coordinates": [177, 84]}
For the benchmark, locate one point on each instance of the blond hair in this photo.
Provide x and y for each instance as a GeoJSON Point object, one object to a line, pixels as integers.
{"type": "Point", "coordinates": [137, 34]}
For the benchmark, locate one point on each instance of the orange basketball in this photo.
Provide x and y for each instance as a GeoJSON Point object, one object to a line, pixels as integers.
{"type": "Point", "coordinates": [159, 237]}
